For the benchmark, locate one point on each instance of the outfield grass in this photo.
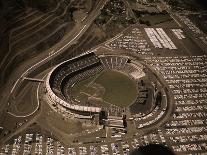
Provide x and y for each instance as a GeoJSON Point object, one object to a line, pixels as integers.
{"type": "Point", "coordinates": [108, 87]}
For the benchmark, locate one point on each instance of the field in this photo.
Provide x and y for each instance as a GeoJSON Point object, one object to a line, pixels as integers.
{"type": "Point", "coordinates": [151, 20]}
{"type": "Point", "coordinates": [108, 87]}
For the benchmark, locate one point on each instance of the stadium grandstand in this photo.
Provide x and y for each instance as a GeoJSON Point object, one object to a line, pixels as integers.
{"type": "Point", "coordinates": [91, 84]}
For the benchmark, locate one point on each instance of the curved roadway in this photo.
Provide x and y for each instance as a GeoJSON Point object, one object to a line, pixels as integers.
{"type": "Point", "coordinates": [11, 88]}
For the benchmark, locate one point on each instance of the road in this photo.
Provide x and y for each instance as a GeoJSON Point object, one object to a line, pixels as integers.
{"type": "Point", "coordinates": [45, 57]}
{"type": "Point", "coordinates": [78, 31]}
{"type": "Point", "coordinates": [31, 117]}
{"type": "Point", "coordinates": [130, 12]}
{"type": "Point", "coordinates": [4, 62]}
{"type": "Point", "coordinates": [171, 13]}
{"type": "Point", "coordinates": [58, 49]}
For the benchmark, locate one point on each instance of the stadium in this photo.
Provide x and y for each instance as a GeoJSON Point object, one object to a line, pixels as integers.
{"type": "Point", "coordinates": [111, 87]}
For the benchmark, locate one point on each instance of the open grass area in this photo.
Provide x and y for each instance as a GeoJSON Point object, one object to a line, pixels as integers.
{"type": "Point", "coordinates": [151, 20]}
{"type": "Point", "coordinates": [108, 87]}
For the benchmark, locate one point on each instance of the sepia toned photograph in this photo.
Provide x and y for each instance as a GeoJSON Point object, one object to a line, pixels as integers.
{"type": "Point", "coordinates": [103, 77]}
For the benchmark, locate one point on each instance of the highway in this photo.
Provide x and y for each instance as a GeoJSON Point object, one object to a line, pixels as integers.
{"type": "Point", "coordinates": [60, 48]}
{"type": "Point", "coordinates": [33, 91]}
{"type": "Point", "coordinates": [6, 57]}
{"type": "Point", "coordinates": [11, 89]}
{"type": "Point", "coordinates": [171, 13]}
{"type": "Point", "coordinates": [52, 53]}
{"type": "Point", "coordinates": [31, 117]}
{"type": "Point", "coordinates": [130, 12]}
{"type": "Point", "coordinates": [78, 32]}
